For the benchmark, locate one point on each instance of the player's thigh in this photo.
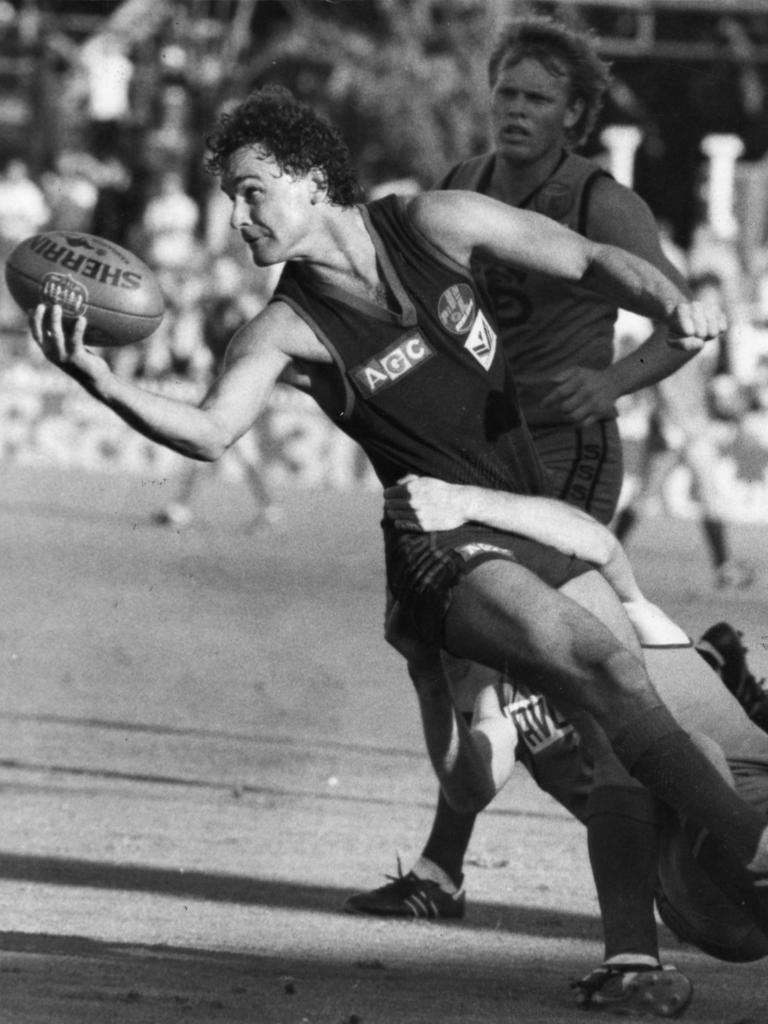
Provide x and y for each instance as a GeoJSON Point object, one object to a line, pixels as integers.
{"type": "Point", "coordinates": [594, 594]}
{"type": "Point", "coordinates": [503, 615]}
{"type": "Point", "coordinates": [585, 465]}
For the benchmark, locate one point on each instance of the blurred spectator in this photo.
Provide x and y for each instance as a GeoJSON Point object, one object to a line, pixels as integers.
{"type": "Point", "coordinates": [71, 191]}
{"type": "Point", "coordinates": [23, 209]}
{"type": "Point", "coordinates": [171, 142]}
{"type": "Point", "coordinates": [23, 212]}
{"type": "Point", "coordinates": [111, 218]}
{"type": "Point", "coordinates": [680, 432]}
{"type": "Point", "coordinates": [108, 73]}
{"type": "Point", "coordinates": [760, 284]}
{"type": "Point", "coordinates": [167, 239]}
{"type": "Point", "coordinates": [169, 225]}
{"type": "Point", "coordinates": [229, 301]}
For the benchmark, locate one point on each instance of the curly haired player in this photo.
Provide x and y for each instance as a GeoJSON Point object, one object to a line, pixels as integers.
{"type": "Point", "coordinates": [379, 311]}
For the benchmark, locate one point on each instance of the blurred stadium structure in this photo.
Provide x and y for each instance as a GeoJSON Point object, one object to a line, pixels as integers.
{"type": "Point", "coordinates": [104, 106]}
{"type": "Point", "coordinates": [684, 69]}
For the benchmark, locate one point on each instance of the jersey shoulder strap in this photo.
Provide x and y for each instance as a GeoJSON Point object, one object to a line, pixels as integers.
{"type": "Point", "coordinates": [472, 175]}
{"type": "Point", "coordinates": [564, 196]}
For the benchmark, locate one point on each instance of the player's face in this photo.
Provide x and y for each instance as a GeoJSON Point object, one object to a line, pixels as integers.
{"type": "Point", "coordinates": [531, 111]}
{"type": "Point", "coordinates": [270, 208]}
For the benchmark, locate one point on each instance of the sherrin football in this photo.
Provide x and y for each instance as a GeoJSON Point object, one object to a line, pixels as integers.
{"type": "Point", "coordinates": [90, 276]}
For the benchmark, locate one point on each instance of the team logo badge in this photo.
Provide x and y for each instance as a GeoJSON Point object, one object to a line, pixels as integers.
{"type": "Point", "coordinates": [481, 342]}
{"type": "Point", "coordinates": [538, 724]}
{"type": "Point", "coordinates": [389, 366]}
{"type": "Point", "coordinates": [456, 308]}
{"type": "Point", "coordinates": [553, 200]}
{"type": "Point", "coordinates": [64, 291]}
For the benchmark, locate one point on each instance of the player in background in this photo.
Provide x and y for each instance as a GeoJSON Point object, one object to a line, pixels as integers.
{"type": "Point", "coordinates": [365, 311]}
{"type": "Point", "coordinates": [680, 431]}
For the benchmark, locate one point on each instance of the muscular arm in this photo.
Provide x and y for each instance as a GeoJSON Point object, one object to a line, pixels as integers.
{"type": "Point", "coordinates": [424, 503]}
{"type": "Point", "coordinates": [618, 216]}
{"type": "Point", "coordinates": [257, 355]}
{"type": "Point", "coordinates": [581, 395]}
{"type": "Point", "coordinates": [463, 223]}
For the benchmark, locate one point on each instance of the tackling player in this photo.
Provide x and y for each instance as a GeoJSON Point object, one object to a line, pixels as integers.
{"type": "Point", "coordinates": [698, 911]}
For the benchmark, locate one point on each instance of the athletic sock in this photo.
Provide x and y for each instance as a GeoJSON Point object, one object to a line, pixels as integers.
{"type": "Point", "coordinates": [448, 841]}
{"type": "Point", "coordinates": [633, 960]}
{"type": "Point", "coordinates": [425, 868]}
{"type": "Point", "coordinates": [624, 864]}
{"type": "Point", "coordinates": [451, 832]}
{"type": "Point", "coordinates": [658, 753]}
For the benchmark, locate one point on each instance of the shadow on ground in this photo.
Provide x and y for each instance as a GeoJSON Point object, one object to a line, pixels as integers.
{"type": "Point", "coordinates": [219, 888]}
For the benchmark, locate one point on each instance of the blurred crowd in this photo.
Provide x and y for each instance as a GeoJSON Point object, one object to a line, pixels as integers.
{"type": "Point", "coordinates": [121, 111]}
{"type": "Point", "coordinates": [210, 285]}
{"type": "Point", "coordinates": [126, 163]}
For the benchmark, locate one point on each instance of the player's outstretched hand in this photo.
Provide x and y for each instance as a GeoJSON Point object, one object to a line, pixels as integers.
{"type": "Point", "coordinates": [62, 344]}
{"type": "Point", "coordinates": [693, 324]}
{"type": "Point", "coordinates": [423, 503]}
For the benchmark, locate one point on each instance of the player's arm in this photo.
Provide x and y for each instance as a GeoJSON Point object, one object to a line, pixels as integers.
{"type": "Point", "coordinates": [257, 355]}
{"type": "Point", "coordinates": [423, 503]}
{"type": "Point", "coordinates": [618, 216]}
{"type": "Point", "coordinates": [581, 395]}
{"type": "Point", "coordinates": [462, 223]}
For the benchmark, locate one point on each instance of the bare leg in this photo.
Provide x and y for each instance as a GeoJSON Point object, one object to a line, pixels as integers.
{"type": "Point", "coordinates": [504, 616]}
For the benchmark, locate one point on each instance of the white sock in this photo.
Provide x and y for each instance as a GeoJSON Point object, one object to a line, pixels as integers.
{"type": "Point", "coordinates": [426, 868]}
{"type": "Point", "coordinates": [632, 958]}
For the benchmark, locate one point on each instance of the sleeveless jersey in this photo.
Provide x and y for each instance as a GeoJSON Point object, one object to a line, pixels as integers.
{"type": "Point", "coordinates": [423, 386]}
{"type": "Point", "coordinates": [545, 324]}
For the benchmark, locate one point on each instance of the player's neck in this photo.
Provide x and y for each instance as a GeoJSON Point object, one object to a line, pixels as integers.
{"type": "Point", "coordinates": [349, 259]}
{"type": "Point", "coordinates": [513, 181]}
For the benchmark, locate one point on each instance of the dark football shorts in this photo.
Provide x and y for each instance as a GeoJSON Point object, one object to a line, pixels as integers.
{"type": "Point", "coordinates": [585, 465]}
{"type": "Point", "coordinates": [423, 568]}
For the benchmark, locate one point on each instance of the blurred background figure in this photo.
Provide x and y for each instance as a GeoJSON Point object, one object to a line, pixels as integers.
{"type": "Point", "coordinates": [229, 300]}
{"type": "Point", "coordinates": [108, 73]}
{"type": "Point", "coordinates": [685, 409]}
{"type": "Point", "coordinates": [23, 212]}
{"type": "Point", "coordinates": [167, 238]}
{"type": "Point", "coordinates": [71, 191]}
{"type": "Point", "coordinates": [168, 225]}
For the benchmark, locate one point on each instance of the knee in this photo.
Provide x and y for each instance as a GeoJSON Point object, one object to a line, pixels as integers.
{"type": "Point", "coordinates": [613, 670]}
{"type": "Point", "coordinates": [622, 670]}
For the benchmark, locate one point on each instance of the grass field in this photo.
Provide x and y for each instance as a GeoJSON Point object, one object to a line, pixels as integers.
{"type": "Point", "coordinates": [206, 746]}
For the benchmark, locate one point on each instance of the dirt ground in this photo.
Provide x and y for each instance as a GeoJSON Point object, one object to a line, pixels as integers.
{"type": "Point", "coordinates": [205, 746]}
